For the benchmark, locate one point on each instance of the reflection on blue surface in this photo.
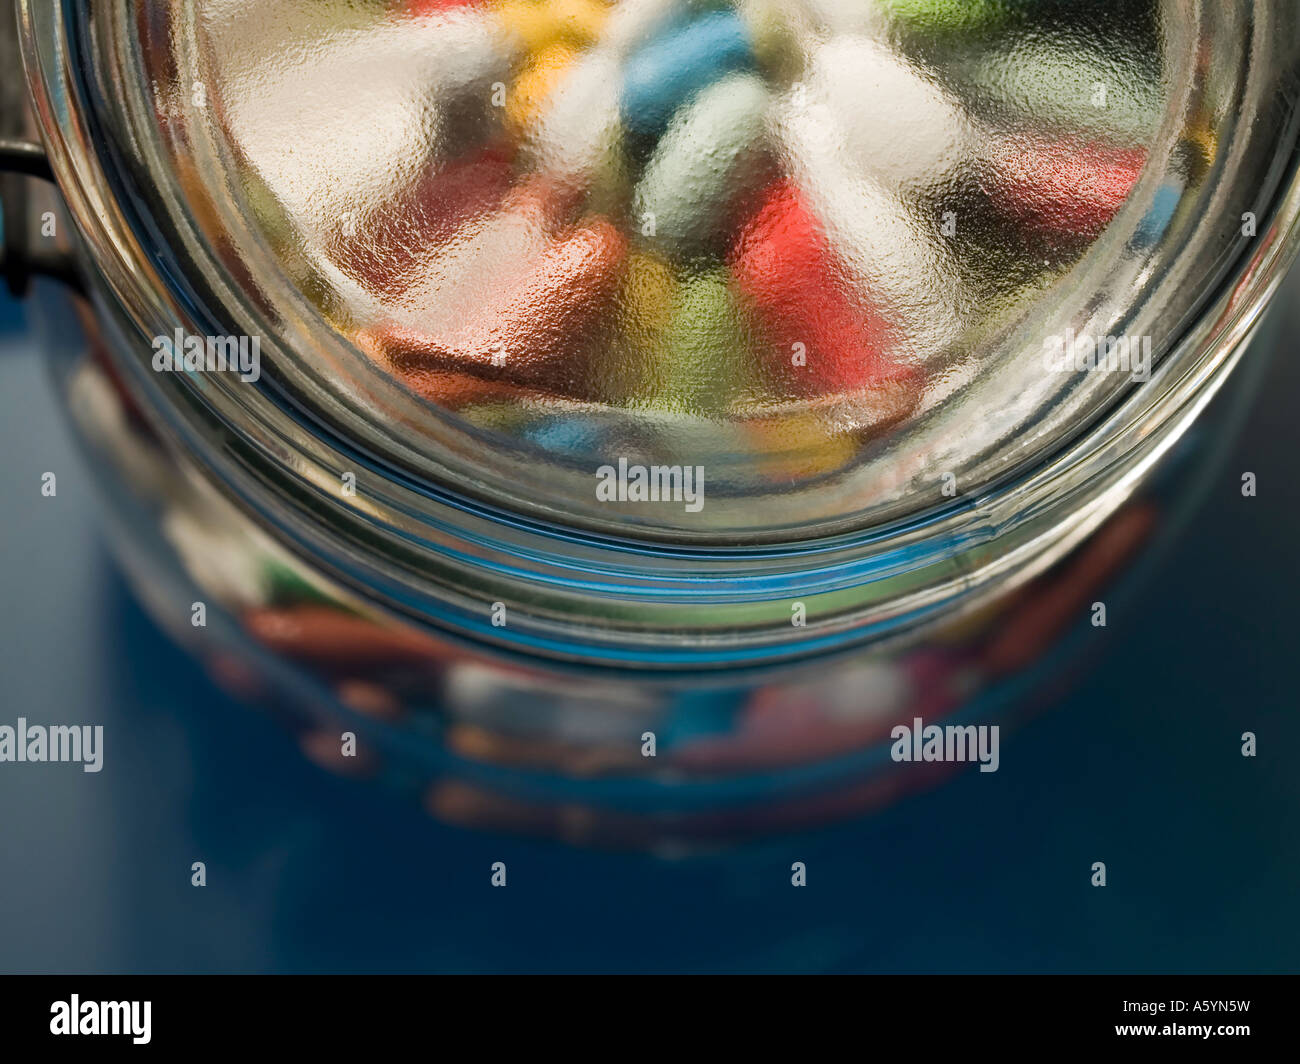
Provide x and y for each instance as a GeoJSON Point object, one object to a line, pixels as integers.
{"type": "Point", "coordinates": [1138, 766]}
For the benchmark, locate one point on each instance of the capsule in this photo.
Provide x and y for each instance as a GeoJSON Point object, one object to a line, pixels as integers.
{"type": "Point", "coordinates": [288, 585]}
{"type": "Point", "coordinates": [645, 309]}
{"type": "Point", "coordinates": [527, 328]}
{"type": "Point", "coordinates": [820, 20]}
{"type": "Point", "coordinates": [798, 443]}
{"type": "Point", "coordinates": [419, 8]}
{"type": "Point", "coordinates": [1096, 96]}
{"type": "Point", "coordinates": [540, 24]}
{"type": "Point", "coordinates": [1164, 204]}
{"type": "Point", "coordinates": [546, 70]}
{"type": "Point", "coordinates": [943, 17]}
{"type": "Point", "coordinates": [576, 139]}
{"type": "Point", "coordinates": [702, 362]}
{"type": "Point", "coordinates": [856, 414]}
{"type": "Point", "coordinates": [1067, 188]}
{"type": "Point", "coordinates": [329, 129]}
{"type": "Point", "coordinates": [821, 339]}
{"type": "Point", "coordinates": [893, 253]}
{"type": "Point", "coordinates": [449, 284]}
{"type": "Point", "coordinates": [632, 27]}
{"type": "Point", "coordinates": [895, 125]}
{"type": "Point", "coordinates": [339, 641]}
{"type": "Point", "coordinates": [706, 163]}
{"type": "Point", "coordinates": [449, 389]}
{"type": "Point", "coordinates": [669, 70]}
{"type": "Point", "coordinates": [218, 560]}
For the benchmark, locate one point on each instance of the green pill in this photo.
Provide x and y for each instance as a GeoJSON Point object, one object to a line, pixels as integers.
{"type": "Point", "coordinates": [701, 362]}
{"type": "Point", "coordinates": [955, 16]}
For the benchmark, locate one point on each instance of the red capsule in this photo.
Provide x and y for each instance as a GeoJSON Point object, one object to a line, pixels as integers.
{"type": "Point", "coordinates": [1066, 188]}
{"type": "Point", "coordinates": [527, 331]}
{"type": "Point", "coordinates": [332, 639]}
{"type": "Point", "coordinates": [823, 339]}
{"type": "Point", "coordinates": [416, 8]}
{"type": "Point", "coordinates": [385, 248]}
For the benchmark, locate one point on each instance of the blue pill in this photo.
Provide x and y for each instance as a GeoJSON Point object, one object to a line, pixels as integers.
{"type": "Point", "coordinates": [1160, 214]}
{"type": "Point", "coordinates": [673, 67]}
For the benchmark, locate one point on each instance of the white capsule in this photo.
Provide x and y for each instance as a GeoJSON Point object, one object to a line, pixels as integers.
{"type": "Point", "coordinates": [221, 562]}
{"type": "Point", "coordinates": [578, 135]}
{"type": "Point", "coordinates": [897, 255]}
{"type": "Point", "coordinates": [333, 126]}
{"type": "Point", "coordinates": [897, 126]}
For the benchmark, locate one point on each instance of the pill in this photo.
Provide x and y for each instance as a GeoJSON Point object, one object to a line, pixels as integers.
{"type": "Point", "coordinates": [418, 8]}
{"type": "Point", "coordinates": [702, 362]}
{"type": "Point", "coordinates": [859, 412]}
{"type": "Point", "coordinates": [820, 339]}
{"type": "Point", "coordinates": [219, 561]}
{"type": "Point", "coordinates": [371, 699]}
{"type": "Point", "coordinates": [527, 327]}
{"type": "Point", "coordinates": [956, 16]}
{"type": "Point", "coordinates": [1164, 204]}
{"type": "Point", "coordinates": [706, 162]}
{"type": "Point", "coordinates": [644, 310]}
{"type": "Point", "coordinates": [822, 20]}
{"type": "Point", "coordinates": [631, 27]}
{"type": "Point", "coordinates": [1064, 187]}
{"type": "Point", "coordinates": [451, 283]}
{"type": "Point", "coordinates": [102, 410]}
{"type": "Point", "coordinates": [540, 24]}
{"type": "Point", "coordinates": [799, 443]}
{"type": "Point", "coordinates": [895, 124]}
{"type": "Point", "coordinates": [773, 28]}
{"type": "Point", "coordinates": [329, 128]}
{"type": "Point", "coordinates": [384, 248]}
{"type": "Point", "coordinates": [287, 584]}
{"type": "Point", "coordinates": [669, 70]}
{"type": "Point", "coordinates": [450, 389]}
{"type": "Point", "coordinates": [576, 138]}
{"type": "Point", "coordinates": [331, 639]}
{"type": "Point", "coordinates": [892, 250]}
{"type": "Point", "coordinates": [1049, 83]}
{"type": "Point", "coordinates": [545, 70]}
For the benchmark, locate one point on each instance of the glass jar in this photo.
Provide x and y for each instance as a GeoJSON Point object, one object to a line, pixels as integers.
{"type": "Point", "coordinates": [400, 536]}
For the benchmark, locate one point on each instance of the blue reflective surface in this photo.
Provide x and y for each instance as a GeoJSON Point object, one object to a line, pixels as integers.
{"type": "Point", "coordinates": [1138, 765]}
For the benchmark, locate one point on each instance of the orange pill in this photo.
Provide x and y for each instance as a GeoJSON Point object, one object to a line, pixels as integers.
{"type": "Point", "coordinates": [527, 330]}
{"type": "Point", "coordinates": [325, 637]}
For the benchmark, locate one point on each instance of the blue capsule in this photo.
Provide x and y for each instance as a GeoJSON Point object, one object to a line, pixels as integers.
{"type": "Point", "coordinates": [1154, 223]}
{"type": "Point", "coordinates": [672, 68]}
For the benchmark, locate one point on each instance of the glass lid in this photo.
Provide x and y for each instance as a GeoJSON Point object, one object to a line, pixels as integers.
{"type": "Point", "coordinates": [762, 270]}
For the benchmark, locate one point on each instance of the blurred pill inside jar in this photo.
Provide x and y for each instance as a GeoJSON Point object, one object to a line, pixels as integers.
{"type": "Point", "coordinates": [661, 337]}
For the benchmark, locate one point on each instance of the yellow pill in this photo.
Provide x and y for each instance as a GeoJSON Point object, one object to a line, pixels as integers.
{"type": "Point", "coordinates": [799, 445]}
{"type": "Point", "coordinates": [540, 23]}
{"type": "Point", "coordinates": [532, 88]}
{"type": "Point", "coordinates": [645, 308]}
{"type": "Point", "coordinates": [648, 290]}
